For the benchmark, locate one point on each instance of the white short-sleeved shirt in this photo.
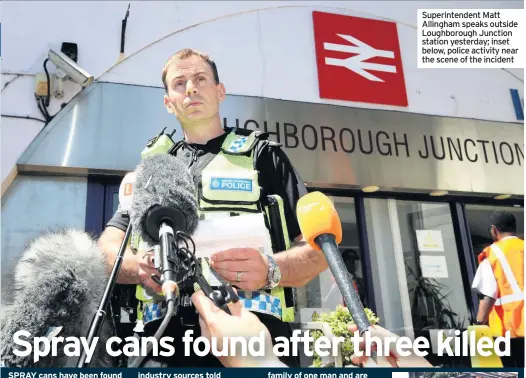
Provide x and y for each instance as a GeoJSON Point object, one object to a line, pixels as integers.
{"type": "Point", "coordinates": [484, 281]}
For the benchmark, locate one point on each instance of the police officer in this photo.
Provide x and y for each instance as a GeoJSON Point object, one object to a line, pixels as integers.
{"type": "Point", "coordinates": [500, 282]}
{"type": "Point", "coordinates": [193, 94]}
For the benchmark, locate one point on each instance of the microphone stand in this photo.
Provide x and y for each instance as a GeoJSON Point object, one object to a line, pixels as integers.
{"type": "Point", "coordinates": [98, 319]}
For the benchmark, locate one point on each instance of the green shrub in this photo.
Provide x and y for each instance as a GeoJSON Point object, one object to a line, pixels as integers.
{"type": "Point", "coordinates": [339, 321]}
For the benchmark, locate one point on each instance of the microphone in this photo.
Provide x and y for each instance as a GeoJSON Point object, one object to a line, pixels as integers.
{"type": "Point", "coordinates": [163, 204]}
{"type": "Point", "coordinates": [126, 191]}
{"type": "Point", "coordinates": [321, 227]}
{"type": "Point", "coordinates": [164, 207]}
{"type": "Point", "coordinates": [56, 286]}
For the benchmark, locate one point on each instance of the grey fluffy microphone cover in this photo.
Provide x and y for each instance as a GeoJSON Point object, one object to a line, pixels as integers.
{"type": "Point", "coordinates": [57, 284]}
{"type": "Point", "coordinates": [163, 180]}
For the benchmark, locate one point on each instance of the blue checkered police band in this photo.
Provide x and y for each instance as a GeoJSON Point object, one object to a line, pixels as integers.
{"type": "Point", "coordinates": [261, 302]}
{"type": "Point", "coordinates": [238, 144]}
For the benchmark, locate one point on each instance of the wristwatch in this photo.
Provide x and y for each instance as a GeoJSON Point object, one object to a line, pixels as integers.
{"type": "Point", "coordinates": [274, 273]}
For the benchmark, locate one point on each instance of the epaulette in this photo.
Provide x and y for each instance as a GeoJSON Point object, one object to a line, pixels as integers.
{"type": "Point", "coordinates": [159, 144]}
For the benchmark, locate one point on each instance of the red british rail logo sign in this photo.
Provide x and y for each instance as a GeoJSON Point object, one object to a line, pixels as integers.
{"type": "Point", "coordinates": [358, 59]}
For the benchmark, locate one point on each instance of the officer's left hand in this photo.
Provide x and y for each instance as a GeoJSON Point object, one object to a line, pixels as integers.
{"type": "Point", "coordinates": [251, 264]}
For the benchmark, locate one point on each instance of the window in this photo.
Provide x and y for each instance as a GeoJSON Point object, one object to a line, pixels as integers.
{"type": "Point", "coordinates": [478, 221]}
{"type": "Point", "coordinates": [415, 266]}
{"type": "Point", "coordinates": [322, 293]}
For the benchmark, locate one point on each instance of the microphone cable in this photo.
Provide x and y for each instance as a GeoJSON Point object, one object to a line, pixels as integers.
{"type": "Point", "coordinates": [180, 236]}
{"type": "Point", "coordinates": [136, 362]}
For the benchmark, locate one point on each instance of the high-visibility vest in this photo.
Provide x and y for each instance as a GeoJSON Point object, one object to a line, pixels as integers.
{"type": "Point", "coordinates": [507, 262]}
{"type": "Point", "coordinates": [235, 161]}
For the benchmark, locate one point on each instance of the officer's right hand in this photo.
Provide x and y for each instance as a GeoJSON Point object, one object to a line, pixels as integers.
{"type": "Point", "coordinates": [146, 270]}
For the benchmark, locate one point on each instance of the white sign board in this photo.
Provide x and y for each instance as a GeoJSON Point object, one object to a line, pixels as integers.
{"type": "Point", "coordinates": [430, 240]}
{"type": "Point", "coordinates": [433, 266]}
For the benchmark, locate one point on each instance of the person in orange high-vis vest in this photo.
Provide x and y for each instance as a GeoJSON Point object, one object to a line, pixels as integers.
{"type": "Point", "coordinates": [500, 282]}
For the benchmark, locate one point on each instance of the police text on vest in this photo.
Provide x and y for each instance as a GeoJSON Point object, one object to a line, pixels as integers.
{"type": "Point", "coordinates": [232, 184]}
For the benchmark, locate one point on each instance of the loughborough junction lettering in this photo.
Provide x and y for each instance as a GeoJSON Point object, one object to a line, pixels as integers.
{"type": "Point", "coordinates": [460, 149]}
{"type": "Point", "coordinates": [354, 140]}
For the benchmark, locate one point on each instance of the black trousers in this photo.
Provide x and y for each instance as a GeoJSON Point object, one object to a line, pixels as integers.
{"type": "Point", "coordinates": [187, 319]}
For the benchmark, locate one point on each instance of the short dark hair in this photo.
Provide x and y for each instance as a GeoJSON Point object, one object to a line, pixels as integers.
{"type": "Point", "coordinates": [504, 221]}
{"type": "Point", "coordinates": [187, 53]}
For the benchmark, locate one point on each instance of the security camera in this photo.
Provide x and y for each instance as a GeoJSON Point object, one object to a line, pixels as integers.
{"type": "Point", "coordinates": [67, 67]}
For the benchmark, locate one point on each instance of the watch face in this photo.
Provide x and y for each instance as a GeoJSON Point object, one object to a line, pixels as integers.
{"type": "Point", "coordinates": [275, 276]}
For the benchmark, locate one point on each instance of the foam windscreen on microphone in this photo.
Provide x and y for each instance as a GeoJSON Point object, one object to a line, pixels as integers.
{"type": "Point", "coordinates": [58, 282]}
{"type": "Point", "coordinates": [316, 216]}
{"type": "Point", "coordinates": [163, 181]}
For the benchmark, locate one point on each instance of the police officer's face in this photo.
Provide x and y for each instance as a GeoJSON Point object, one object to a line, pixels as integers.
{"type": "Point", "coordinates": [193, 94]}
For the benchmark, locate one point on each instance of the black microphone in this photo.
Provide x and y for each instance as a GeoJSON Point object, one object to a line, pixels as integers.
{"type": "Point", "coordinates": [164, 206]}
{"type": "Point", "coordinates": [56, 283]}
{"type": "Point", "coordinates": [164, 203]}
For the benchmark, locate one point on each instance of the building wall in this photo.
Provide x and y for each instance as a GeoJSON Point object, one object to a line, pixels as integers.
{"type": "Point", "coordinates": [34, 205]}
{"type": "Point", "coordinates": [262, 49]}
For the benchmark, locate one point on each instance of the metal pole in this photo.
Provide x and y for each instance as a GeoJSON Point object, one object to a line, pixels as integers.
{"type": "Point", "coordinates": [98, 319]}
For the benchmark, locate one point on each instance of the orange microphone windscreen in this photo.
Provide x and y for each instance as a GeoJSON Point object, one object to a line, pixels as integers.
{"type": "Point", "coordinates": [316, 216]}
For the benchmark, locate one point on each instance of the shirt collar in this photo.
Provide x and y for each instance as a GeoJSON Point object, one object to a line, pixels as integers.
{"type": "Point", "coordinates": [213, 144]}
{"type": "Point", "coordinates": [509, 237]}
